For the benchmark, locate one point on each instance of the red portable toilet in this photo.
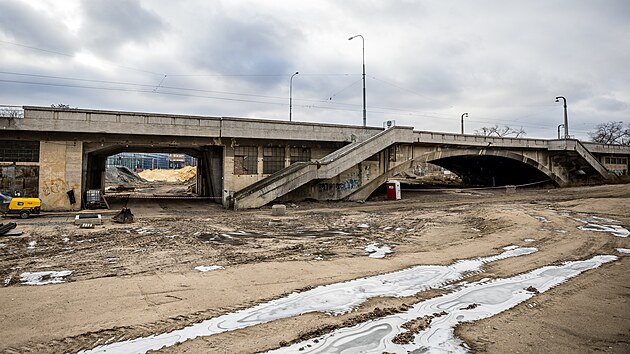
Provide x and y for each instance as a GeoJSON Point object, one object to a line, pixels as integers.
{"type": "Point", "coordinates": [393, 190]}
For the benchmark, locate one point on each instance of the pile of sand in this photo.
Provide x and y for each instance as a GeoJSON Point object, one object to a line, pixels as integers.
{"type": "Point", "coordinates": [181, 175]}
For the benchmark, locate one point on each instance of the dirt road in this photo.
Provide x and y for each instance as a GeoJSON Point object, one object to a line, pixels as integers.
{"type": "Point", "coordinates": [137, 280]}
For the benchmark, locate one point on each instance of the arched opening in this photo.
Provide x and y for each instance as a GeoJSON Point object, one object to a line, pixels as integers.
{"type": "Point", "coordinates": [493, 170]}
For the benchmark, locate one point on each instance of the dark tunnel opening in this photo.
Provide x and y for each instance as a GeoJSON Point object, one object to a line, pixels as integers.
{"type": "Point", "coordinates": [492, 171]}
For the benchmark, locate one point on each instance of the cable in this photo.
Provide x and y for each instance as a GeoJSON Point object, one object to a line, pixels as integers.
{"type": "Point", "coordinates": [338, 92]}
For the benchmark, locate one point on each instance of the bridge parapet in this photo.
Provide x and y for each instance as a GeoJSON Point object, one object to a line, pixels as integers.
{"type": "Point", "coordinates": [64, 120]}
{"type": "Point", "coordinates": [477, 140]}
{"type": "Point", "coordinates": [607, 148]}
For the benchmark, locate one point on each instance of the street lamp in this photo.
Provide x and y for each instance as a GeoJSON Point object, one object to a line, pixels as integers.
{"type": "Point", "coordinates": [463, 115]}
{"type": "Point", "coordinates": [566, 121]}
{"type": "Point", "coordinates": [559, 125]}
{"type": "Point", "coordinates": [363, 48]}
{"type": "Point", "coordinates": [291, 94]}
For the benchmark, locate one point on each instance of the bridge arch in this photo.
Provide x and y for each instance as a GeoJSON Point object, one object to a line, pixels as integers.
{"type": "Point", "coordinates": [491, 167]}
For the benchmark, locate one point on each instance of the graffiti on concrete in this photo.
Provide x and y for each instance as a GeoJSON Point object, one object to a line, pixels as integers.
{"type": "Point", "coordinates": [57, 185]}
{"type": "Point", "coordinates": [344, 186]}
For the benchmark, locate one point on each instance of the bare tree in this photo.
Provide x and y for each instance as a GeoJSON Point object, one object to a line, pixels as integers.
{"type": "Point", "coordinates": [501, 132]}
{"type": "Point", "coordinates": [611, 133]}
{"type": "Point", "coordinates": [11, 113]}
{"type": "Point", "coordinates": [60, 105]}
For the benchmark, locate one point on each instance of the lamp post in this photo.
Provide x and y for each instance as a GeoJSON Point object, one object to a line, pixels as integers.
{"type": "Point", "coordinates": [566, 121]}
{"type": "Point", "coordinates": [463, 115]}
{"type": "Point", "coordinates": [559, 125]}
{"type": "Point", "coordinates": [363, 51]}
{"type": "Point", "coordinates": [291, 94]}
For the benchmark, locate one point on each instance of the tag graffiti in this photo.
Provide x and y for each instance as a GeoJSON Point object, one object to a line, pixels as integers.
{"type": "Point", "coordinates": [57, 185]}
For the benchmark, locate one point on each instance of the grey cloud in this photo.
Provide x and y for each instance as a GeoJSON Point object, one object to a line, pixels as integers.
{"type": "Point", "coordinates": [36, 29]}
{"type": "Point", "coordinates": [109, 24]}
{"type": "Point", "coordinates": [609, 104]}
{"type": "Point", "coordinates": [245, 46]}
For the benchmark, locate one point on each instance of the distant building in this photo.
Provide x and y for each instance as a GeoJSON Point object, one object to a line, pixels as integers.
{"type": "Point", "coordinates": [151, 161]}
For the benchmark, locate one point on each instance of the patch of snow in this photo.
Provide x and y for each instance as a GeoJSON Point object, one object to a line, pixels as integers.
{"type": "Point", "coordinates": [208, 268]}
{"type": "Point", "coordinates": [529, 240]}
{"type": "Point", "coordinates": [378, 252]}
{"type": "Point", "coordinates": [147, 230]}
{"type": "Point", "coordinates": [615, 230]}
{"type": "Point", "coordinates": [335, 299]}
{"type": "Point", "coordinates": [509, 248]}
{"type": "Point", "coordinates": [363, 226]}
{"type": "Point", "coordinates": [469, 303]}
{"type": "Point", "coordinates": [623, 250]}
{"type": "Point", "coordinates": [31, 245]}
{"type": "Point", "coordinates": [595, 219]}
{"type": "Point", "coordinates": [43, 278]}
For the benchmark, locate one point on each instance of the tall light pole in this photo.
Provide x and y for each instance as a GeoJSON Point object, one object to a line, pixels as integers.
{"type": "Point", "coordinates": [559, 125]}
{"type": "Point", "coordinates": [566, 120]}
{"type": "Point", "coordinates": [463, 115]}
{"type": "Point", "coordinates": [363, 48]}
{"type": "Point", "coordinates": [291, 94]}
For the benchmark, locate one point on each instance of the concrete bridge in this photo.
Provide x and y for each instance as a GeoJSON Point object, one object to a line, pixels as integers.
{"type": "Point", "coordinates": [246, 163]}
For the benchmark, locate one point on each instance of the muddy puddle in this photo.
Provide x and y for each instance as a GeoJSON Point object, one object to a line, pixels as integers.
{"type": "Point", "coordinates": [234, 238]}
{"type": "Point", "coordinates": [334, 299]}
{"type": "Point", "coordinates": [319, 233]}
{"type": "Point", "coordinates": [440, 315]}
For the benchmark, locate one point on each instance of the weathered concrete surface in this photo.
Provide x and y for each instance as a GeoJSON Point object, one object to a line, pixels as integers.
{"type": "Point", "coordinates": [332, 165]}
{"type": "Point", "coordinates": [87, 137]}
{"type": "Point", "coordinates": [60, 172]}
{"type": "Point", "coordinates": [114, 122]}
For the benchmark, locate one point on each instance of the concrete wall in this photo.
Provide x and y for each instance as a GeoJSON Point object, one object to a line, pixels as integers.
{"type": "Point", "coordinates": [345, 183]}
{"type": "Point", "coordinates": [59, 172]}
{"type": "Point", "coordinates": [234, 183]}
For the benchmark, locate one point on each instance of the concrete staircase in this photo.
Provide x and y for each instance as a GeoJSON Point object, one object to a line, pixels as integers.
{"type": "Point", "coordinates": [582, 151]}
{"type": "Point", "coordinates": [300, 173]}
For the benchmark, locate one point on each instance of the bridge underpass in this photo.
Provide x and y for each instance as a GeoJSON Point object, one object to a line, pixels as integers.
{"type": "Point", "coordinates": [209, 181]}
{"type": "Point", "coordinates": [492, 171]}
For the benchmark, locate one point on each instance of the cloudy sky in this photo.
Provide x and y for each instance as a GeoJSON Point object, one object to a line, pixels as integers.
{"type": "Point", "coordinates": [427, 62]}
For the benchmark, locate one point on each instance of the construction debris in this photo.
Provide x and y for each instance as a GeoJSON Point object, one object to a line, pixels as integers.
{"type": "Point", "coordinates": [279, 210]}
{"type": "Point", "coordinates": [5, 228]}
{"type": "Point", "coordinates": [124, 216]}
{"type": "Point", "coordinates": [94, 219]}
{"type": "Point", "coordinates": [117, 175]}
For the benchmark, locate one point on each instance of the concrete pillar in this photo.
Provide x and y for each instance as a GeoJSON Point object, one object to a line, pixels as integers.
{"type": "Point", "coordinates": [60, 171]}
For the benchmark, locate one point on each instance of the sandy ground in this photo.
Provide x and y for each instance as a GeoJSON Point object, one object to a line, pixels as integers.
{"type": "Point", "coordinates": [139, 279]}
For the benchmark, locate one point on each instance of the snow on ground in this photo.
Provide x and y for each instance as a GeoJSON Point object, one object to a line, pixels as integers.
{"type": "Point", "coordinates": [208, 268]}
{"type": "Point", "coordinates": [43, 278]}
